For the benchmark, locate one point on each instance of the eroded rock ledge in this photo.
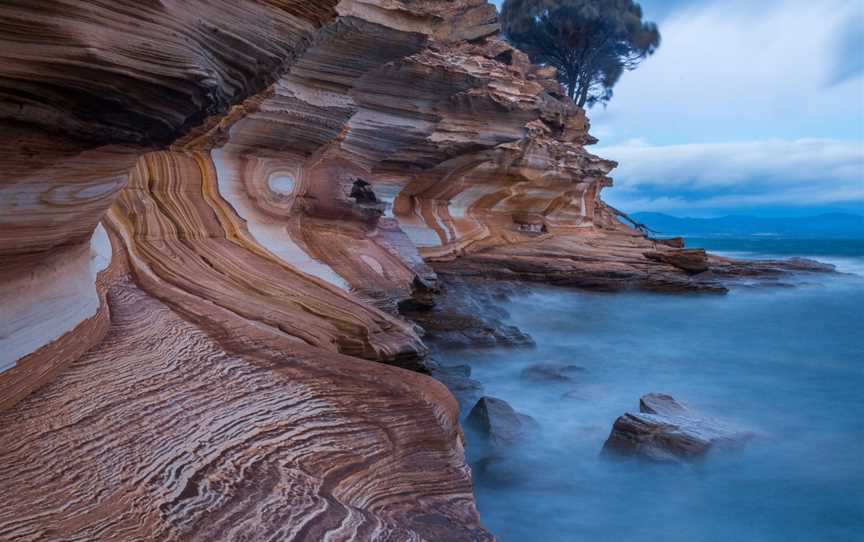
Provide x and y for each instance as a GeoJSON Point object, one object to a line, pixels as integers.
{"type": "Point", "coordinates": [210, 213]}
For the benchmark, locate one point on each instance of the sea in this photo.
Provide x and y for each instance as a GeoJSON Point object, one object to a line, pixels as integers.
{"type": "Point", "coordinates": [784, 363]}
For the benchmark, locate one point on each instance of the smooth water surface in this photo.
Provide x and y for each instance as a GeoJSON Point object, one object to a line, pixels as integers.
{"type": "Point", "coordinates": [785, 363]}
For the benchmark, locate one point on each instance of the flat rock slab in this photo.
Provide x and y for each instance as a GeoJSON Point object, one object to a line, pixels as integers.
{"type": "Point", "coordinates": [692, 260]}
{"type": "Point", "coordinates": [667, 431]}
{"type": "Point", "coordinates": [662, 405]}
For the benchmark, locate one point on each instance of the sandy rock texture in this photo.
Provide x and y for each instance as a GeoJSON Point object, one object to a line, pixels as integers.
{"type": "Point", "coordinates": [666, 431]}
{"type": "Point", "coordinates": [177, 362]}
{"type": "Point", "coordinates": [211, 213]}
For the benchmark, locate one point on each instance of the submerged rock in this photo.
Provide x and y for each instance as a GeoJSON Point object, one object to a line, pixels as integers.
{"type": "Point", "coordinates": [455, 370]}
{"type": "Point", "coordinates": [496, 420]}
{"type": "Point", "coordinates": [552, 372]}
{"type": "Point", "coordinates": [457, 379]}
{"type": "Point", "coordinates": [665, 430]}
{"type": "Point", "coordinates": [503, 472]}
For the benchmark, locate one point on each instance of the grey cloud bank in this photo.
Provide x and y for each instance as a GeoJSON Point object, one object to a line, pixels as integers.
{"type": "Point", "coordinates": [800, 173]}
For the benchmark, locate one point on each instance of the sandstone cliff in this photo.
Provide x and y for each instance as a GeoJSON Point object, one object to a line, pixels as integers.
{"type": "Point", "coordinates": [210, 212]}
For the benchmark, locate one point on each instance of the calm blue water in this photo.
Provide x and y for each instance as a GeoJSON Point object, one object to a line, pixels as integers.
{"type": "Point", "coordinates": [787, 364]}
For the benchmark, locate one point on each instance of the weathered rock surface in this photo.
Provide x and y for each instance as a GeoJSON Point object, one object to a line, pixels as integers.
{"type": "Point", "coordinates": [190, 369]}
{"type": "Point", "coordinates": [496, 420]}
{"type": "Point", "coordinates": [164, 432]}
{"type": "Point", "coordinates": [667, 431]}
{"type": "Point", "coordinates": [688, 260]}
{"type": "Point", "coordinates": [211, 214]}
{"type": "Point", "coordinates": [467, 314]}
{"type": "Point", "coordinates": [674, 242]}
{"type": "Point", "coordinates": [729, 268]}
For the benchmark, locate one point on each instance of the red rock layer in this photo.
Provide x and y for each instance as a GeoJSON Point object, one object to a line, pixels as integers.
{"type": "Point", "coordinates": [259, 185]}
{"type": "Point", "coordinates": [217, 391]}
{"type": "Point", "coordinates": [85, 89]}
{"type": "Point", "coordinates": [187, 246]}
{"type": "Point", "coordinates": [163, 433]}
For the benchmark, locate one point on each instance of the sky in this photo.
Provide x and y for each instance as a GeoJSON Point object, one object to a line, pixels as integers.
{"type": "Point", "coordinates": [748, 107]}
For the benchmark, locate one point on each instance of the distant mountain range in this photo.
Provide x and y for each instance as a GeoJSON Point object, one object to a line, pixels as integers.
{"type": "Point", "coordinates": [824, 226]}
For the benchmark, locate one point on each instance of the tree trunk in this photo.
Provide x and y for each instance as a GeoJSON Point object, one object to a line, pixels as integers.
{"type": "Point", "coordinates": [583, 94]}
{"type": "Point", "coordinates": [571, 89]}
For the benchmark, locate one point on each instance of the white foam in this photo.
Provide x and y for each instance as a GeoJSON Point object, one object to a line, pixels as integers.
{"type": "Point", "coordinates": [844, 264]}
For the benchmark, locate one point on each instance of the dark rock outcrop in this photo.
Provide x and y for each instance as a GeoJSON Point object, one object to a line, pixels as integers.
{"type": "Point", "coordinates": [468, 314]}
{"type": "Point", "coordinates": [496, 420]}
{"type": "Point", "coordinates": [693, 260]}
{"type": "Point", "coordinates": [732, 269]}
{"type": "Point", "coordinates": [665, 430]}
{"type": "Point", "coordinates": [674, 242]}
{"type": "Point", "coordinates": [457, 379]}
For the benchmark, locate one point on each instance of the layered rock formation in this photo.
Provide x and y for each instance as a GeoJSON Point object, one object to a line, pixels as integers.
{"type": "Point", "coordinates": [165, 431]}
{"type": "Point", "coordinates": [210, 213]}
{"type": "Point", "coordinates": [665, 431]}
{"type": "Point", "coordinates": [190, 368]}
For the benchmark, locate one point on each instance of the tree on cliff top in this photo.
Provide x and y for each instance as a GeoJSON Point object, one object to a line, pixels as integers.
{"type": "Point", "coordinates": [590, 42]}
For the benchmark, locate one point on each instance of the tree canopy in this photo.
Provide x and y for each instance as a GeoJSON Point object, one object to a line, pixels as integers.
{"type": "Point", "coordinates": [590, 42]}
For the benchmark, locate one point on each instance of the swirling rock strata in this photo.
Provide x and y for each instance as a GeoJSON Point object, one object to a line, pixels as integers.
{"type": "Point", "coordinates": [85, 89]}
{"type": "Point", "coordinates": [163, 433]}
{"type": "Point", "coordinates": [187, 246]}
{"type": "Point", "coordinates": [201, 385]}
{"type": "Point", "coordinates": [211, 214]}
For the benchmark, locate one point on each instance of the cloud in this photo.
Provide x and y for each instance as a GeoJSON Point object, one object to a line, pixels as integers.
{"type": "Point", "coordinates": [738, 70]}
{"type": "Point", "coordinates": [746, 104]}
{"type": "Point", "coordinates": [770, 173]}
{"type": "Point", "coordinates": [850, 48]}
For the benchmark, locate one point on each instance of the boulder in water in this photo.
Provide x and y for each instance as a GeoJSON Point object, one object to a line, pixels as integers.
{"type": "Point", "coordinates": [496, 419]}
{"type": "Point", "coordinates": [665, 430]}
